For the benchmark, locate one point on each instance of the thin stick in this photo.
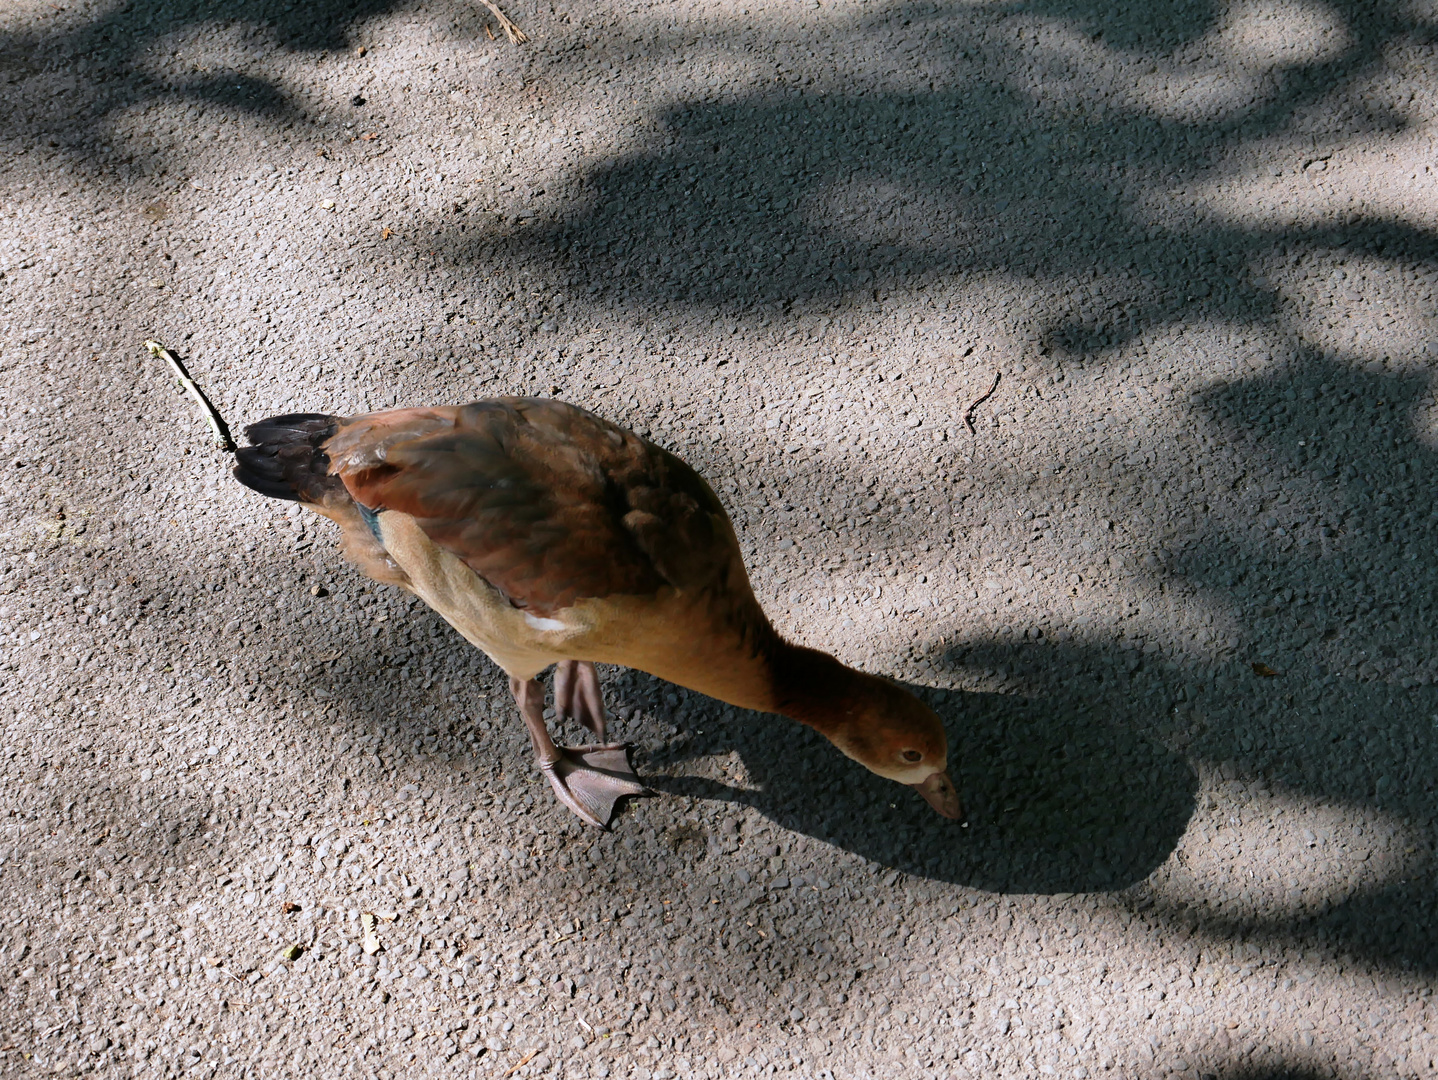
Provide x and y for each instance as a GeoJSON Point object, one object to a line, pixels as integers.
{"type": "Point", "coordinates": [511, 31]}
{"type": "Point", "coordinates": [969, 412]}
{"type": "Point", "coordinates": [187, 384]}
{"type": "Point", "coordinates": [521, 1063]}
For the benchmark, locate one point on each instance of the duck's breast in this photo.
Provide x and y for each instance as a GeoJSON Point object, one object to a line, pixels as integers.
{"type": "Point", "coordinates": [520, 642]}
{"type": "Point", "coordinates": [674, 636]}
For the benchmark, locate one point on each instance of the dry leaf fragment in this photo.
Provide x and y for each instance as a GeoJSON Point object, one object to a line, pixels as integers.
{"type": "Point", "coordinates": [386, 233]}
{"type": "Point", "coordinates": [511, 31]}
{"type": "Point", "coordinates": [1263, 670]}
{"type": "Point", "coordinates": [289, 907]}
{"type": "Point", "coordinates": [292, 952]}
{"type": "Point", "coordinates": [371, 939]}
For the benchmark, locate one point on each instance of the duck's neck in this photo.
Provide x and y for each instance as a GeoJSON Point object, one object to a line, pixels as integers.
{"type": "Point", "coordinates": [741, 659]}
{"type": "Point", "coordinates": [814, 688]}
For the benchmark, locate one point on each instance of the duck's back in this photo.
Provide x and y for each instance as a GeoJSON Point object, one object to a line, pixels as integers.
{"type": "Point", "coordinates": [584, 541]}
{"type": "Point", "coordinates": [545, 501]}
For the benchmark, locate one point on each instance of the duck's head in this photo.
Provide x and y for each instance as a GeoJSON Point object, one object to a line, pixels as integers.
{"type": "Point", "coordinates": [890, 732]}
{"type": "Point", "coordinates": [877, 723]}
{"type": "Point", "coordinates": [880, 725]}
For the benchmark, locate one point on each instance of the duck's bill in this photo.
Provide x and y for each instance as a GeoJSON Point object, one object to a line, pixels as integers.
{"type": "Point", "coordinates": [938, 791]}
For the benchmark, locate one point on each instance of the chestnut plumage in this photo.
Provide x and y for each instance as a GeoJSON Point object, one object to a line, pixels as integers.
{"type": "Point", "coordinates": [547, 535]}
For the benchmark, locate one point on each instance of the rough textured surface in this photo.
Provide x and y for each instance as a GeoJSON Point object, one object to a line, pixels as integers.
{"type": "Point", "coordinates": [792, 242]}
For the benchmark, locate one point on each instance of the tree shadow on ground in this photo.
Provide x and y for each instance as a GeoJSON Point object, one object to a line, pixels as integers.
{"type": "Point", "coordinates": [112, 43]}
{"type": "Point", "coordinates": [114, 57]}
{"type": "Point", "coordinates": [1133, 26]}
{"type": "Point", "coordinates": [1084, 779]}
{"type": "Point", "coordinates": [821, 196]}
{"type": "Point", "coordinates": [1339, 570]}
{"type": "Point", "coordinates": [831, 198]}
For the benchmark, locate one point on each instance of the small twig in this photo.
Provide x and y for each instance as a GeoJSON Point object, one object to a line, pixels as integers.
{"type": "Point", "coordinates": [521, 1063]}
{"type": "Point", "coordinates": [969, 412]}
{"type": "Point", "coordinates": [187, 384]}
{"type": "Point", "coordinates": [511, 31]}
{"type": "Point", "coordinates": [74, 1018]}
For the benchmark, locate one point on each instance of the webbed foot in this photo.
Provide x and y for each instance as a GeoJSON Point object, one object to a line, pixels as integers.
{"type": "Point", "coordinates": [588, 779]}
{"type": "Point", "coordinates": [591, 779]}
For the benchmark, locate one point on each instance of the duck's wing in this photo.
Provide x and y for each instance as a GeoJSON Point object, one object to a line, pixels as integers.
{"type": "Point", "coordinates": [545, 501]}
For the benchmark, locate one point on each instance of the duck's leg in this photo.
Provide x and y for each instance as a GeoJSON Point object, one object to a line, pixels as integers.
{"type": "Point", "coordinates": [588, 779]}
{"type": "Point", "coordinates": [577, 694]}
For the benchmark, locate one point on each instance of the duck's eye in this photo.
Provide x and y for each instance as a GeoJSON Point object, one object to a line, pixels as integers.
{"type": "Point", "coordinates": [912, 755]}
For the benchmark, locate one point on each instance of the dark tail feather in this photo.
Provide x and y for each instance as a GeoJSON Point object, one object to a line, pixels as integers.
{"type": "Point", "coordinates": [286, 459]}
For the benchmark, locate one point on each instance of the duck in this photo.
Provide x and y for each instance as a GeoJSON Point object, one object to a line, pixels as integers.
{"type": "Point", "coordinates": [548, 536]}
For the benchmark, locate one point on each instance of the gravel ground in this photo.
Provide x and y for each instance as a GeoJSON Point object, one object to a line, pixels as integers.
{"type": "Point", "coordinates": [1174, 593]}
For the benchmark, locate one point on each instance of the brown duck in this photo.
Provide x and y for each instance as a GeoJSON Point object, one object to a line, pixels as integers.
{"type": "Point", "coordinates": [549, 536]}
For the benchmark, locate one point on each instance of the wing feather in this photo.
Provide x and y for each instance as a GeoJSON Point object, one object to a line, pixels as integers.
{"type": "Point", "coordinates": [547, 502]}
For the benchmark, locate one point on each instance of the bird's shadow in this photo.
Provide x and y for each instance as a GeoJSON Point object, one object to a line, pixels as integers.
{"type": "Point", "coordinates": [1060, 797]}
{"type": "Point", "coordinates": [1061, 792]}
